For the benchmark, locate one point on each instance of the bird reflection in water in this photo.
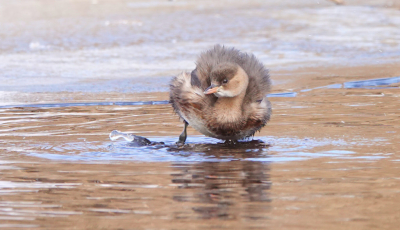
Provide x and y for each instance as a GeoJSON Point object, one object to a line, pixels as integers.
{"type": "Point", "coordinates": [233, 189]}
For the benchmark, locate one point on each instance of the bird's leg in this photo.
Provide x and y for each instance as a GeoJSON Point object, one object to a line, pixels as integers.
{"type": "Point", "coordinates": [182, 137]}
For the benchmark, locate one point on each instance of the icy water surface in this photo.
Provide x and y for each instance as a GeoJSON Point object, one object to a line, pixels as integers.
{"type": "Point", "coordinates": [334, 156]}
{"type": "Point", "coordinates": [72, 71]}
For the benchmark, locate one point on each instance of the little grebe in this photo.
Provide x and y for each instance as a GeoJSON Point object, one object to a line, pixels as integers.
{"type": "Point", "coordinates": [225, 96]}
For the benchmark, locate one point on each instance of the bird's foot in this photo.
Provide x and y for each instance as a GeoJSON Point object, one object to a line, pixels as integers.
{"type": "Point", "coordinates": [182, 140]}
{"type": "Point", "coordinates": [180, 143]}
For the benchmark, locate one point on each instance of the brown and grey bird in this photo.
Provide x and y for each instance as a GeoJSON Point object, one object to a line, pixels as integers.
{"type": "Point", "coordinates": [225, 96]}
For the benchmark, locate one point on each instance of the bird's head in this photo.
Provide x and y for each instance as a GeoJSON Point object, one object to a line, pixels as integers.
{"type": "Point", "coordinates": [227, 80]}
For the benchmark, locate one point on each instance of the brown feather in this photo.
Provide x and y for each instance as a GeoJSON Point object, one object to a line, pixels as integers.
{"type": "Point", "coordinates": [191, 104]}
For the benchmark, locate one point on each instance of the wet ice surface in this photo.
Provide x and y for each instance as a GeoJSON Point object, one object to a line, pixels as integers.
{"type": "Point", "coordinates": [70, 74]}
{"type": "Point", "coordinates": [379, 83]}
{"type": "Point", "coordinates": [111, 46]}
{"type": "Point", "coordinates": [364, 84]}
{"type": "Point", "coordinates": [63, 168]}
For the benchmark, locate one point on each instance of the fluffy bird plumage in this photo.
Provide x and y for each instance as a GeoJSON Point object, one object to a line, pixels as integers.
{"type": "Point", "coordinates": [226, 118]}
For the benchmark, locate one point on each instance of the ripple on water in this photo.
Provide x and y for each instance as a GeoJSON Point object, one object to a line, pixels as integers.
{"type": "Point", "coordinates": [200, 149]}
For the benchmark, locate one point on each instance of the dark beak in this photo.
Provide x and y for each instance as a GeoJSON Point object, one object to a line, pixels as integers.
{"type": "Point", "coordinates": [212, 89]}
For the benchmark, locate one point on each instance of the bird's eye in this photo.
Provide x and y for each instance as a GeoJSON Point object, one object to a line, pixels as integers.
{"type": "Point", "coordinates": [225, 81]}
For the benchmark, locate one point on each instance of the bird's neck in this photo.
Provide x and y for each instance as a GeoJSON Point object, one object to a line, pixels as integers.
{"type": "Point", "coordinates": [229, 109]}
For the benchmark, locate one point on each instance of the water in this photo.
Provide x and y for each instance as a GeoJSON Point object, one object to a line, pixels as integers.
{"type": "Point", "coordinates": [365, 84]}
{"type": "Point", "coordinates": [372, 83]}
{"type": "Point", "coordinates": [74, 71]}
{"type": "Point", "coordinates": [62, 167]}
